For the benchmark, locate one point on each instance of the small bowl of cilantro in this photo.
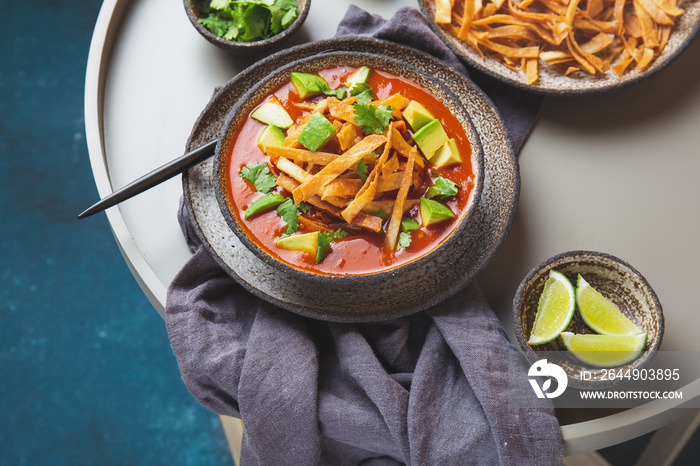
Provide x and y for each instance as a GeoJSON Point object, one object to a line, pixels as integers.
{"type": "Point", "coordinates": [249, 25]}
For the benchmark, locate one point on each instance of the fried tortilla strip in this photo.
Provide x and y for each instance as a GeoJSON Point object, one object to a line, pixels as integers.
{"type": "Point", "coordinates": [403, 147]}
{"type": "Point", "coordinates": [471, 8]}
{"type": "Point", "coordinates": [392, 230]}
{"type": "Point", "coordinates": [347, 136]}
{"type": "Point", "coordinates": [342, 188]}
{"type": "Point", "coordinates": [656, 12]}
{"type": "Point", "coordinates": [552, 57]}
{"type": "Point", "coordinates": [390, 166]}
{"type": "Point", "coordinates": [597, 43]}
{"type": "Point", "coordinates": [619, 16]}
{"type": "Point", "coordinates": [396, 101]}
{"type": "Point", "coordinates": [594, 7]}
{"type": "Point", "coordinates": [647, 24]}
{"type": "Point", "coordinates": [625, 60]}
{"type": "Point", "coordinates": [369, 189]}
{"type": "Point", "coordinates": [518, 52]}
{"type": "Point", "coordinates": [313, 185]}
{"type": "Point", "coordinates": [647, 56]}
{"type": "Point", "coordinates": [582, 58]}
{"type": "Point", "coordinates": [387, 206]}
{"type": "Point", "coordinates": [292, 169]}
{"type": "Point", "coordinates": [301, 155]}
{"type": "Point", "coordinates": [530, 69]}
{"type": "Point", "coordinates": [443, 11]}
{"type": "Point", "coordinates": [338, 201]}
{"type": "Point", "coordinates": [512, 32]}
{"type": "Point", "coordinates": [342, 110]}
{"type": "Point", "coordinates": [351, 187]}
{"type": "Point", "coordinates": [362, 220]}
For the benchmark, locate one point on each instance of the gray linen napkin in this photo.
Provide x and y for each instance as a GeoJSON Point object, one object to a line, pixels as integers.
{"type": "Point", "coordinates": [430, 388]}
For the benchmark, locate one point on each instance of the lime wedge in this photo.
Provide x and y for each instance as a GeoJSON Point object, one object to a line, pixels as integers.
{"type": "Point", "coordinates": [554, 310]}
{"type": "Point", "coordinates": [600, 314]}
{"type": "Point", "coordinates": [605, 350]}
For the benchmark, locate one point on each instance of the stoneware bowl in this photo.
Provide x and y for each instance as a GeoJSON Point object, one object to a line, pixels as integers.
{"type": "Point", "coordinates": [379, 299]}
{"type": "Point", "coordinates": [197, 9]}
{"type": "Point", "coordinates": [551, 82]}
{"type": "Point", "coordinates": [613, 278]}
{"type": "Point", "coordinates": [435, 263]}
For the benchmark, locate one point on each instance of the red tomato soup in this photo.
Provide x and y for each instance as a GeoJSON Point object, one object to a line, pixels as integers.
{"type": "Point", "coordinates": [362, 251]}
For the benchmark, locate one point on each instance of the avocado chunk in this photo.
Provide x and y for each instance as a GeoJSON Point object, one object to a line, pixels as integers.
{"type": "Point", "coordinates": [433, 212]}
{"type": "Point", "coordinates": [273, 113]}
{"type": "Point", "coordinates": [263, 204]}
{"type": "Point", "coordinates": [358, 77]}
{"type": "Point", "coordinates": [316, 132]}
{"type": "Point", "coordinates": [448, 154]}
{"type": "Point", "coordinates": [306, 242]}
{"type": "Point", "coordinates": [271, 136]}
{"type": "Point", "coordinates": [308, 85]}
{"type": "Point", "coordinates": [430, 138]}
{"type": "Point", "coordinates": [416, 115]}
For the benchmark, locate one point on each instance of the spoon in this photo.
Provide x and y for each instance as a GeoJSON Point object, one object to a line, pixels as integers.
{"type": "Point", "coordinates": [153, 178]}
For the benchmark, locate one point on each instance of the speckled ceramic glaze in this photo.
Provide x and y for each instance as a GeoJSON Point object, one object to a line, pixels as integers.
{"type": "Point", "coordinates": [436, 261]}
{"type": "Point", "coordinates": [552, 82]}
{"type": "Point", "coordinates": [613, 278]}
{"type": "Point", "coordinates": [194, 11]}
{"type": "Point", "coordinates": [397, 292]}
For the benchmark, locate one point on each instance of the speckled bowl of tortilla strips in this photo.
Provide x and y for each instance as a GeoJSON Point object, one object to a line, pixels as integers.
{"type": "Point", "coordinates": [551, 81]}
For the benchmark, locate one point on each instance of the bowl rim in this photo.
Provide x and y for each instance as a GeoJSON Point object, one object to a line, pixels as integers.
{"type": "Point", "coordinates": [243, 47]}
{"type": "Point", "coordinates": [531, 354]}
{"type": "Point", "coordinates": [220, 174]}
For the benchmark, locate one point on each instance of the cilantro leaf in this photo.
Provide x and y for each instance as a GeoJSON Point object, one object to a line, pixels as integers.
{"type": "Point", "coordinates": [404, 240]}
{"type": "Point", "coordinates": [215, 24]}
{"type": "Point", "coordinates": [249, 20]}
{"type": "Point", "coordinates": [218, 4]}
{"type": "Point", "coordinates": [259, 174]}
{"type": "Point", "coordinates": [303, 207]}
{"type": "Point", "coordinates": [361, 88]}
{"type": "Point", "coordinates": [372, 119]}
{"type": "Point", "coordinates": [364, 97]}
{"type": "Point", "coordinates": [408, 224]}
{"type": "Point", "coordinates": [361, 170]}
{"type": "Point", "coordinates": [442, 188]}
{"type": "Point", "coordinates": [290, 214]}
{"type": "Point", "coordinates": [324, 240]}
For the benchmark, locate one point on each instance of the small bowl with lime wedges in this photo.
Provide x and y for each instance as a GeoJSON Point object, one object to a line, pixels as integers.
{"type": "Point", "coordinates": [591, 311]}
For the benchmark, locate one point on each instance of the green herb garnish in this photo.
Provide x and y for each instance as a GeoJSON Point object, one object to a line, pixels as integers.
{"type": "Point", "coordinates": [247, 21]}
{"type": "Point", "coordinates": [442, 188]}
{"type": "Point", "coordinates": [372, 119]}
{"type": "Point", "coordinates": [290, 214]}
{"type": "Point", "coordinates": [361, 170]}
{"type": "Point", "coordinates": [324, 240]}
{"type": "Point", "coordinates": [407, 225]}
{"type": "Point", "coordinates": [404, 240]}
{"type": "Point", "coordinates": [259, 174]}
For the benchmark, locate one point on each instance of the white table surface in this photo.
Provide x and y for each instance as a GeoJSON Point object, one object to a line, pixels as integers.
{"type": "Point", "coordinates": [615, 173]}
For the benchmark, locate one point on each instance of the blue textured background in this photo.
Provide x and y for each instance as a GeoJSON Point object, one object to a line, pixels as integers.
{"type": "Point", "coordinates": [87, 375]}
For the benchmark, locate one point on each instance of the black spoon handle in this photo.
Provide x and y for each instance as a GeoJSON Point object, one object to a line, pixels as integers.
{"type": "Point", "coordinates": [154, 178]}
